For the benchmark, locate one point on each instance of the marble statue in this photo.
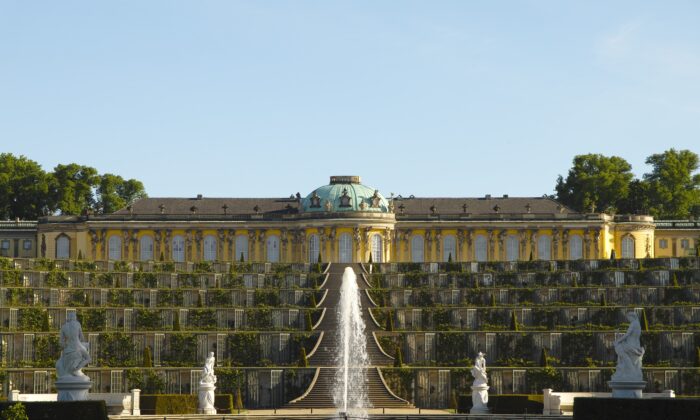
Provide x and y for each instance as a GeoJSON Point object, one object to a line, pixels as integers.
{"type": "Point", "coordinates": [627, 381]}
{"type": "Point", "coordinates": [479, 370]}
{"type": "Point", "coordinates": [629, 352]}
{"type": "Point", "coordinates": [208, 374]}
{"type": "Point", "coordinates": [207, 386]}
{"type": "Point", "coordinates": [74, 350]}
{"type": "Point", "coordinates": [71, 383]}
{"type": "Point", "coordinates": [480, 388]}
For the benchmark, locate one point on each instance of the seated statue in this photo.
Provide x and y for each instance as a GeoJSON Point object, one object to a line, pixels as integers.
{"type": "Point", "coordinates": [74, 351]}
{"type": "Point", "coordinates": [629, 352]}
{"type": "Point", "coordinates": [479, 370]}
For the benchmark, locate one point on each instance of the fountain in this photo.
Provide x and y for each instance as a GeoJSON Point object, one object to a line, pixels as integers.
{"type": "Point", "coordinates": [350, 392]}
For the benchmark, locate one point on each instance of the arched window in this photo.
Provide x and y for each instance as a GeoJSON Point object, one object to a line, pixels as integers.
{"type": "Point", "coordinates": [178, 248]}
{"type": "Point", "coordinates": [417, 248]}
{"type": "Point", "coordinates": [376, 248]}
{"type": "Point", "coordinates": [62, 247]}
{"type": "Point", "coordinates": [628, 247]}
{"type": "Point", "coordinates": [273, 248]}
{"type": "Point", "coordinates": [345, 248]}
{"type": "Point", "coordinates": [449, 248]}
{"type": "Point", "coordinates": [480, 248]}
{"type": "Point", "coordinates": [575, 247]}
{"type": "Point", "coordinates": [241, 248]}
{"type": "Point", "coordinates": [115, 247]}
{"type": "Point", "coordinates": [512, 248]}
{"type": "Point", "coordinates": [544, 247]}
{"type": "Point", "coordinates": [209, 248]}
{"type": "Point", "coordinates": [146, 248]}
{"type": "Point", "coordinates": [313, 248]}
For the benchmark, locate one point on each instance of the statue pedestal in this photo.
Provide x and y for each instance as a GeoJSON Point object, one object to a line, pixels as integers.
{"type": "Point", "coordinates": [480, 397]}
{"type": "Point", "coordinates": [206, 398]}
{"type": "Point", "coordinates": [627, 389]}
{"type": "Point", "coordinates": [73, 388]}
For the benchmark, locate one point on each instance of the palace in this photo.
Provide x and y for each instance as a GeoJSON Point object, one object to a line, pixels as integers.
{"type": "Point", "coordinates": [347, 221]}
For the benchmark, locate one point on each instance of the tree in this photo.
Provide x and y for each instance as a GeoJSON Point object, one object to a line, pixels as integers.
{"type": "Point", "coordinates": [513, 322]}
{"type": "Point", "coordinates": [595, 182]}
{"type": "Point", "coordinates": [674, 189]}
{"type": "Point", "coordinates": [398, 356]}
{"type": "Point", "coordinates": [303, 360]}
{"type": "Point", "coordinates": [308, 322]}
{"type": "Point", "coordinates": [389, 322]}
{"type": "Point", "coordinates": [176, 320]}
{"type": "Point", "coordinates": [644, 321]}
{"type": "Point", "coordinates": [72, 188]}
{"type": "Point", "coordinates": [637, 200]}
{"type": "Point", "coordinates": [147, 357]}
{"type": "Point", "coordinates": [239, 400]}
{"type": "Point", "coordinates": [543, 357]}
{"type": "Point", "coordinates": [114, 193]}
{"type": "Point", "coordinates": [24, 188]}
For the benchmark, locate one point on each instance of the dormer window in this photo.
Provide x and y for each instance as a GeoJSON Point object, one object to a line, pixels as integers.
{"type": "Point", "coordinates": [345, 199]}
{"type": "Point", "coordinates": [376, 199]}
{"type": "Point", "coordinates": [315, 201]}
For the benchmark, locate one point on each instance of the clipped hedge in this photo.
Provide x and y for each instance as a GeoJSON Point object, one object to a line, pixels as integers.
{"type": "Point", "coordinates": [638, 409]}
{"type": "Point", "coordinates": [182, 404]}
{"type": "Point", "coordinates": [516, 404]}
{"type": "Point", "coordinates": [74, 410]}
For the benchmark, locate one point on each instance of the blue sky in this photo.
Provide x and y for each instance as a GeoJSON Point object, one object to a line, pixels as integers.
{"type": "Point", "coordinates": [267, 98]}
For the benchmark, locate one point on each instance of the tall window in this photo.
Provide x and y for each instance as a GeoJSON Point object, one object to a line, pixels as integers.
{"type": "Point", "coordinates": [273, 248]}
{"type": "Point", "coordinates": [178, 248]}
{"type": "Point", "coordinates": [376, 248]}
{"type": "Point", "coordinates": [62, 247]}
{"type": "Point", "coordinates": [209, 248]}
{"type": "Point", "coordinates": [417, 248]}
{"type": "Point", "coordinates": [449, 248]}
{"type": "Point", "coordinates": [628, 247]}
{"type": "Point", "coordinates": [313, 248]}
{"type": "Point", "coordinates": [512, 248]}
{"type": "Point", "coordinates": [146, 247]}
{"type": "Point", "coordinates": [575, 247]}
{"type": "Point", "coordinates": [115, 247]}
{"type": "Point", "coordinates": [480, 248]}
{"type": "Point", "coordinates": [241, 247]}
{"type": "Point", "coordinates": [544, 247]}
{"type": "Point", "coordinates": [345, 248]}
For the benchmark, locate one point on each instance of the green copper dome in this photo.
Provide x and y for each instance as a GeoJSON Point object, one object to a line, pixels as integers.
{"type": "Point", "coordinates": [345, 193]}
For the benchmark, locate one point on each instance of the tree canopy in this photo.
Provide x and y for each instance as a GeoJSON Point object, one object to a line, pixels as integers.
{"type": "Point", "coordinates": [28, 192]}
{"type": "Point", "coordinates": [600, 183]}
{"type": "Point", "coordinates": [674, 189]}
{"type": "Point", "coordinates": [24, 188]}
{"type": "Point", "coordinates": [595, 182]}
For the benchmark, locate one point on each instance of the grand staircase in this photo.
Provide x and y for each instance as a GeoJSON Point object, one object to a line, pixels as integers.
{"type": "Point", "coordinates": [320, 394]}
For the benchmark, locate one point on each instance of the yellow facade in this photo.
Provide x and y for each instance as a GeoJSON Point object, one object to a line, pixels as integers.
{"type": "Point", "coordinates": [346, 221]}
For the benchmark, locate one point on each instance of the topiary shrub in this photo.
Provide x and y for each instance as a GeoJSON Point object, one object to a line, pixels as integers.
{"type": "Point", "coordinates": [516, 404]}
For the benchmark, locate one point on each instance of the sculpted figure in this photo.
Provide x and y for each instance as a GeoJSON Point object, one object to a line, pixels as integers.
{"type": "Point", "coordinates": [74, 354]}
{"type": "Point", "coordinates": [629, 352]}
{"type": "Point", "coordinates": [207, 387]}
{"type": "Point", "coordinates": [208, 376]}
{"type": "Point", "coordinates": [479, 370]}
